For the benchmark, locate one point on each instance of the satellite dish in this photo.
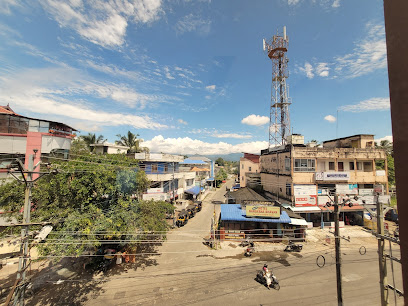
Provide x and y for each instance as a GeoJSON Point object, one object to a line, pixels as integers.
{"type": "Point", "coordinates": [264, 45]}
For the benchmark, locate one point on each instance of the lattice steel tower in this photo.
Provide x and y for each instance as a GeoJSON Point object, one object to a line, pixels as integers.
{"type": "Point", "coordinates": [279, 120]}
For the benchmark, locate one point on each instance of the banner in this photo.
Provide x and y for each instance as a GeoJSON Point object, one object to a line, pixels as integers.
{"type": "Point", "coordinates": [332, 176]}
{"type": "Point", "coordinates": [305, 200]}
{"type": "Point", "coordinates": [263, 211]}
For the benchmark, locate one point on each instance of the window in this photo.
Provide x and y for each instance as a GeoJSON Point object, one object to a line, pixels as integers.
{"type": "Point", "coordinates": [305, 165]}
{"type": "Point", "coordinates": [289, 189]}
{"type": "Point", "coordinates": [249, 169]}
{"type": "Point", "coordinates": [351, 165]}
{"type": "Point", "coordinates": [359, 166]}
{"type": "Point", "coordinates": [154, 167]}
{"type": "Point", "coordinates": [287, 164]}
{"type": "Point", "coordinates": [368, 166]}
{"type": "Point", "coordinates": [242, 166]}
{"type": "Point", "coordinates": [242, 179]}
{"type": "Point", "coordinates": [331, 166]}
{"type": "Point", "coordinates": [166, 168]}
{"type": "Point", "coordinates": [340, 166]}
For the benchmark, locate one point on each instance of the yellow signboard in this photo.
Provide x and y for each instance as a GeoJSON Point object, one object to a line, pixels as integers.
{"type": "Point", "coordinates": [263, 211]}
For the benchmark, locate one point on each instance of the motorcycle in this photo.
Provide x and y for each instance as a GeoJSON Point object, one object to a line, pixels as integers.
{"type": "Point", "coordinates": [292, 247]}
{"type": "Point", "coordinates": [268, 279]}
{"type": "Point", "coordinates": [249, 251]}
{"type": "Point", "coordinates": [247, 242]}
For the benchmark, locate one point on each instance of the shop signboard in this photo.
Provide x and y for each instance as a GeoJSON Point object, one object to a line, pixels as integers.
{"type": "Point", "coordinates": [304, 189]}
{"type": "Point", "coordinates": [332, 176]}
{"type": "Point", "coordinates": [262, 211]}
{"type": "Point", "coordinates": [379, 188]}
{"type": "Point", "coordinates": [366, 192]}
{"type": "Point", "coordinates": [344, 189]}
{"type": "Point", "coordinates": [305, 200]}
{"type": "Point", "coordinates": [155, 190]}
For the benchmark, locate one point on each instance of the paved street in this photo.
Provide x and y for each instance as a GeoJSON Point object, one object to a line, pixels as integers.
{"type": "Point", "coordinates": [200, 276]}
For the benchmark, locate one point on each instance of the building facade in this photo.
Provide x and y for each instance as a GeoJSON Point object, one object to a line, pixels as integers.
{"type": "Point", "coordinates": [304, 176]}
{"type": "Point", "coordinates": [21, 136]}
{"type": "Point", "coordinates": [249, 169]}
{"type": "Point", "coordinates": [109, 148]}
{"type": "Point", "coordinates": [163, 171]}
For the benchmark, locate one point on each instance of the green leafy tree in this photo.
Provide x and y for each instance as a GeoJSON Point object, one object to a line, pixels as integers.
{"type": "Point", "coordinates": [388, 148]}
{"type": "Point", "coordinates": [89, 200]}
{"type": "Point", "coordinates": [130, 140]}
{"type": "Point", "coordinates": [219, 161]}
{"type": "Point", "coordinates": [91, 138]}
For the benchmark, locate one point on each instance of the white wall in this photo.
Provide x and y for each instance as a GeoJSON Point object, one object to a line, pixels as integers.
{"type": "Point", "coordinates": [13, 144]}
{"type": "Point", "coordinates": [53, 142]}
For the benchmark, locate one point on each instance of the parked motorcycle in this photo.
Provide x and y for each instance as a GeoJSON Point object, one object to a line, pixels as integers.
{"type": "Point", "coordinates": [249, 251]}
{"type": "Point", "coordinates": [268, 279]}
{"type": "Point", "coordinates": [292, 247]}
{"type": "Point", "coordinates": [247, 242]}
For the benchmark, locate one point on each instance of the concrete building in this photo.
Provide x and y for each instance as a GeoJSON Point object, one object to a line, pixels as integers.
{"type": "Point", "coordinates": [249, 170]}
{"type": "Point", "coordinates": [204, 169]}
{"type": "Point", "coordinates": [163, 171]}
{"type": "Point", "coordinates": [109, 148]}
{"type": "Point", "coordinates": [21, 136]}
{"type": "Point", "coordinates": [305, 177]}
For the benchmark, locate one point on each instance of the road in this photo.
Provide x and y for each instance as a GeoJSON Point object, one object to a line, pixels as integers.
{"type": "Point", "coordinates": [189, 273]}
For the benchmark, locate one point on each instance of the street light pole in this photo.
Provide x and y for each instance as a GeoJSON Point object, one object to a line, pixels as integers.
{"type": "Point", "coordinates": [338, 253]}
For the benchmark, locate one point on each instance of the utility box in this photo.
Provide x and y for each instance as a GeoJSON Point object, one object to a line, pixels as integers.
{"type": "Point", "coordinates": [296, 139]}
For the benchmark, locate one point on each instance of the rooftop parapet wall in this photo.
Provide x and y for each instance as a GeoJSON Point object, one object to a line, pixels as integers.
{"type": "Point", "coordinates": [341, 153]}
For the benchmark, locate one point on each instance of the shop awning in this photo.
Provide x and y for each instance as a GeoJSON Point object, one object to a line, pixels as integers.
{"type": "Point", "coordinates": [305, 209]}
{"type": "Point", "coordinates": [345, 208]}
{"type": "Point", "coordinates": [233, 212]}
{"type": "Point", "coordinates": [298, 221]}
{"type": "Point", "coordinates": [210, 179]}
{"type": "Point", "coordinates": [194, 191]}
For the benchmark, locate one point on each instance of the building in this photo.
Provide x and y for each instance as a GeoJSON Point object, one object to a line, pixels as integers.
{"type": "Point", "coordinates": [249, 170]}
{"type": "Point", "coordinates": [204, 169]}
{"type": "Point", "coordinates": [163, 170]}
{"type": "Point", "coordinates": [109, 148]}
{"type": "Point", "coordinates": [21, 136]}
{"type": "Point", "coordinates": [306, 177]}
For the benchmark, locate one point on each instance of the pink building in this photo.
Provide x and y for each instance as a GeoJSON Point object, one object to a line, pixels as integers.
{"type": "Point", "coordinates": [249, 169]}
{"type": "Point", "coordinates": [20, 136]}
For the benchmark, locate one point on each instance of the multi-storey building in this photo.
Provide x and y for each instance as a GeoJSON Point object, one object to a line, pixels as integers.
{"type": "Point", "coordinates": [305, 176]}
{"type": "Point", "coordinates": [249, 170]}
{"type": "Point", "coordinates": [164, 173]}
{"type": "Point", "coordinates": [21, 136]}
{"type": "Point", "coordinates": [109, 148]}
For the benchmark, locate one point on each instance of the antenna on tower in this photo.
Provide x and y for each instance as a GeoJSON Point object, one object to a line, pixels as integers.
{"type": "Point", "coordinates": [279, 120]}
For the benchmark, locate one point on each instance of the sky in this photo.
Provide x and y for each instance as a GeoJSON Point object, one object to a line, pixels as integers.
{"type": "Point", "coordinates": [191, 77]}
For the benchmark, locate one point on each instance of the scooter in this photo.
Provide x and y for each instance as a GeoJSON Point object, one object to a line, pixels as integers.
{"type": "Point", "coordinates": [269, 280]}
{"type": "Point", "coordinates": [249, 251]}
{"type": "Point", "coordinates": [292, 247]}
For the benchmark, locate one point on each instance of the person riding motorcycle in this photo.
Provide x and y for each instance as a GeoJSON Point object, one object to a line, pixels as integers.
{"type": "Point", "coordinates": [265, 272]}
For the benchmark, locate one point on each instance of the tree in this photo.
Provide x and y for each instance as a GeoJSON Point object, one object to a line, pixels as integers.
{"type": "Point", "coordinates": [130, 140]}
{"type": "Point", "coordinates": [387, 146]}
{"type": "Point", "coordinates": [89, 201]}
{"type": "Point", "coordinates": [219, 161]}
{"type": "Point", "coordinates": [92, 139]}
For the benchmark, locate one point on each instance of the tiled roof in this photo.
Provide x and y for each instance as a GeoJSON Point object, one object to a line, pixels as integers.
{"type": "Point", "coordinates": [200, 169]}
{"type": "Point", "coordinates": [7, 110]}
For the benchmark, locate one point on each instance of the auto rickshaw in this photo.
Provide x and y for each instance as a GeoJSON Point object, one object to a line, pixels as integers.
{"type": "Point", "coordinates": [198, 205]}
{"type": "Point", "coordinates": [191, 209]}
{"type": "Point", "coordinates": [182, 218]}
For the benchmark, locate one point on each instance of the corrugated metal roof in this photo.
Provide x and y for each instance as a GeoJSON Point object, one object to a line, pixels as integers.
{"type": "Point", "coordinates": [305, 209]}
{"type": "Point", "coordinates": [188, 161]}
{"type": "Point", "coordinates": [195, 190]}
{"type": "Point", "coordinates": [298, 221]}
{"type": "Point", "coordinates": [233, 212]}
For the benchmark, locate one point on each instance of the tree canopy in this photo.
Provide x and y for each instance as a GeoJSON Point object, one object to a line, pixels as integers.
{"type": "Point", "coordinates": [130, 140]}
{"type": "Point", "coordinates": [90, 201]}
{"type": "Point", "coordinates": [92, 139]}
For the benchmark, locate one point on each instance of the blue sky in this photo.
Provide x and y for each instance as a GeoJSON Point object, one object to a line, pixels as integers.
{"type": "Point", "coordinates": [191, 76]}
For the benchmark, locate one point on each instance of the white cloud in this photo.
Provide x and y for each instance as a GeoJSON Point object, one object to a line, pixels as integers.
{"type": "Point", "coordinates": [6, 5]}
{"type": "Point", "coordinates": [103, 23]}
{"type": "Point", "coordinates": [322, 69]}
{"type": "Point", "coordinates": [182, 121]}
{"type": "Point", "coordinates": [389, 138]}
{"type": "Point", "coordinates": [232, 135]}
{"type": "Point", "coordinates": [210, 88]}
{"type": "Point", "coordinates": [330, 118]}
{"type": "Point", "coordinates": [187, 145]}
{"type": "Point", "coordinates": [50, 91]}
{"type": "Point", "coordinates": [293, 2]}
{"type": "Point", "coordinates": [367, 105]}
{"type": "Point", "coordinates": [167, 73]}
{"type": "Point", "coordinates": [336, 4]}
{"type": "Point", "coordinates": [308, 70]}
{"type": "Point", "coordinates": [192, 23]}
{"type": "Point", "coordinates": [255, 120]}
{"type": "Point", "coordinates": [369, 54]}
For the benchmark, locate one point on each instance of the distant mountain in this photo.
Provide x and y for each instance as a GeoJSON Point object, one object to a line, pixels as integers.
{"type": "Point", "coordinates": [228, 157]}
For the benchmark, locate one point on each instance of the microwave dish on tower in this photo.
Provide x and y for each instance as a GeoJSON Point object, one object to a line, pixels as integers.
{"type": "Point", "coordinates": [279, 119]}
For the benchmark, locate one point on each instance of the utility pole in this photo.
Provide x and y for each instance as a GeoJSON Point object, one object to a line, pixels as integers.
{"type": "Point", "coordinates": [381, 258]}
{"type": "Point", "coordinates": [22, 263]}
{"type": "Point", "coordinates": [174, 187]}
{"type": "Point", "coordinates": [338, 253]}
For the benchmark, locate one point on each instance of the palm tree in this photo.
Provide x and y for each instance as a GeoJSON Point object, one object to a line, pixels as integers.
{"type": "Point", "coordinates": [386, 145]}
{"type": "Point", "coordinates": [92, 139]}
{"type": "Point", "coordinates": [132, 142]}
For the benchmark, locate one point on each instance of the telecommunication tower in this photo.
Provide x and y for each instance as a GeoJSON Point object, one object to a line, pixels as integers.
{"type": "Point", "coordinates": [279, 119]}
